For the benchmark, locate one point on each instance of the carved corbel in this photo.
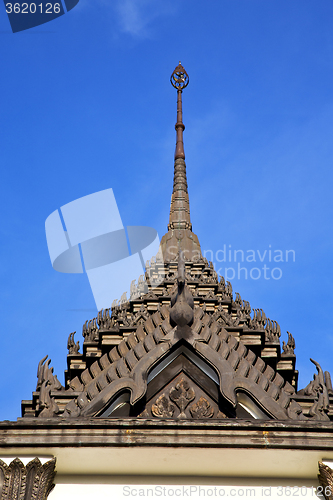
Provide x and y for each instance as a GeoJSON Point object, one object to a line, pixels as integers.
{"type": "Point", "coordinates": [31, 482]}
{"type": "Point", "coordinates": [325, 478]}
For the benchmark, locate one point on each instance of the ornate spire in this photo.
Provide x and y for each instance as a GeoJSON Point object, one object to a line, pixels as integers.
{"type": "Point", "coordinates": [179, 79]}
{"type": "Point", "coordinates": [179, 236]}
{"type": "Point", "coordinates": [180, 206]}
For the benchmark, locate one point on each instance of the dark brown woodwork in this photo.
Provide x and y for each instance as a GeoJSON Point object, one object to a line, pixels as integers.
{"type": "Point", "coordinates": [210, 433]}
{"type": "Point", "coordinates": [181, 364]}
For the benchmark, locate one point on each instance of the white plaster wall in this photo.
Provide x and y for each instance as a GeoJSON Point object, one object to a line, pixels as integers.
{"type": "Point", "coordinates": [112, 474]}
{"type": "Point", "coordinates": [194, 491]}
{"type": "Point", "coordinates": [181, 462]}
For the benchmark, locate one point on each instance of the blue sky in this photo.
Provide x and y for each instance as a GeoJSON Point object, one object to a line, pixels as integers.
{"type": "Point", "coordinates": [87, 105]}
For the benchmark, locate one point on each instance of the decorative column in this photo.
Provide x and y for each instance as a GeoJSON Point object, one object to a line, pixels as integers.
{"type": "Point", "coordinates": [325, 478]}
{"type": "Point", "coordinates": [31, 482]}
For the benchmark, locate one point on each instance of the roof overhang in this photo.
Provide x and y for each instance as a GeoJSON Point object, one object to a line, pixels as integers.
{"type": "Point", "coordinates": [166, 448]}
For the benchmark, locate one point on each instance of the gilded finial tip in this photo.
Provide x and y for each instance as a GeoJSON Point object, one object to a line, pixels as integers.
{"type": "Point", "coordinates": [179, 78]}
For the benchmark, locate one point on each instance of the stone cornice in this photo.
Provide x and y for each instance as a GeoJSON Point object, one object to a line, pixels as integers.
{"type": "Point", "coordinates": [57, 432]}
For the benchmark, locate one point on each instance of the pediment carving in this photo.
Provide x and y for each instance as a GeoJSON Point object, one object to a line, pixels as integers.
{"type": "Point", "coordinates": [162, 408]}
{"type": "Point", "coordinates": [182, 398]}
{"type": "Point", "coordinates": [202, 409]}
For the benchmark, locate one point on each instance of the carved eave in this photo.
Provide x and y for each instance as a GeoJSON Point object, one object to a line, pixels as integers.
{"type": "Point", "coordinates": [236, 367]}
{"type": "Point", "coordinates": [182, 346]}
{"type": "Point", "coordinates": [123, 346]}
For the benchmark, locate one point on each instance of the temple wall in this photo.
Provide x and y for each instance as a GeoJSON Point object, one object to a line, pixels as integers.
{"type": "Point", "coordinates": [74, 488]}
{"type": "Point", "coordinates": [178, 462]}
{"type": "Point", "coordinates": [153, 473]}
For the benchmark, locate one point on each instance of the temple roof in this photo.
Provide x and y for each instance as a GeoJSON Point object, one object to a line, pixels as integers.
{"type": "Point", "coordinates": [183, 346]}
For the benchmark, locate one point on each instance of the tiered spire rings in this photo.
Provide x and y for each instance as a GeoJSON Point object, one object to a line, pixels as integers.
{"type": "Point", "coordinates": [179, 236]}
{"type": "Point", "coordinates": [180, 206]}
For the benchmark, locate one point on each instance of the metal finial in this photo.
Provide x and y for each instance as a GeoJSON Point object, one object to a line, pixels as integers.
{"type": "Point", "coordinates": [179, 78]}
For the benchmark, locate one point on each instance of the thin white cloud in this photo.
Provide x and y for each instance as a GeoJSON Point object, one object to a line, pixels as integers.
{"type": "Point", "coordinates": [135, 17]}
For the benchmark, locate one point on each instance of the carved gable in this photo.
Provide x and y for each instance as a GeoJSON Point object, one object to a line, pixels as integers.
{"type": "Point", "coordinates": [136, 353]}
{"type": "Point", "coordinates": [182, 346]}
